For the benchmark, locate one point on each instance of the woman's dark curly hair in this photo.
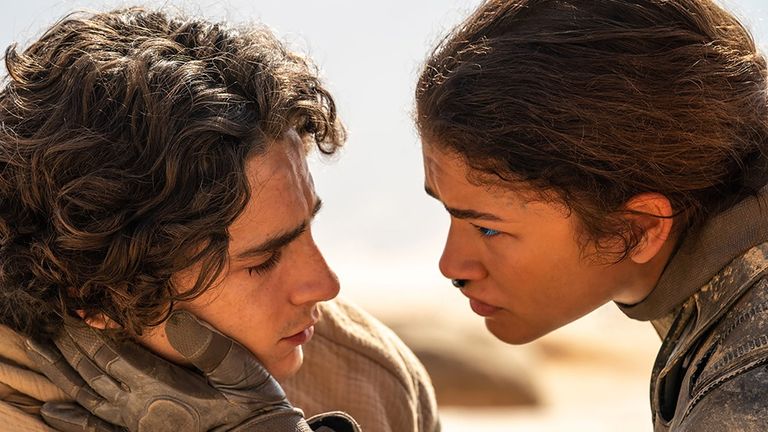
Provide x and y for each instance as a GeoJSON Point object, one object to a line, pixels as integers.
{"type": "Point", "coordinates": [123, 142]}
{"type": "Point", "coordinates": [596, 101]}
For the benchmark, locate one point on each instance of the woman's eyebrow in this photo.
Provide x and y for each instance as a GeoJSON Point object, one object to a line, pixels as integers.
{"type": "Point", "coordinates": [464, 213]}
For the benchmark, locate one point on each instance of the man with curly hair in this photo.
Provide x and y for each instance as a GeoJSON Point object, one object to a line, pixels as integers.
{"type": "Point", "coordinates": [152, 175]}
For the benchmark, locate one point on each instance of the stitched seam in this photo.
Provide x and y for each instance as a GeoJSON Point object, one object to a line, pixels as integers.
{"type": "Point", "coordinates": [744, 316]}
{"type": "Point", "coordinates": [709, 387]}
{"type": "Point", "coordinates": [685, 344]}
{"type": "Point", "coordinates": [739, 351]}
{"type": "Point", "coordinates": [747, 315]}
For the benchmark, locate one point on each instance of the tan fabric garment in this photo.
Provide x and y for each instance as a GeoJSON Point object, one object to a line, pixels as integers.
{"type": "Point", "coordinates": [353, 363]}
{"type": "Point", "coordinates": [357, 365]}
{"type": "Point", "coordinates": [21, 389]}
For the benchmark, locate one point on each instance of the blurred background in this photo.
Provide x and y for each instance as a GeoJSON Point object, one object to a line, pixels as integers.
{"type": "Point", "coordinates": [383, 236]}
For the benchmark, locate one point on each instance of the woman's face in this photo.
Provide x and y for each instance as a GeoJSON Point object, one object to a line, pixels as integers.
{"type": "Point", "coordinates": [527, 270]}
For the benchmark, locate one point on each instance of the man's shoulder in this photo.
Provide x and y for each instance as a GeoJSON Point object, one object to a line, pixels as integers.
{"type": "Point", "coordinates": [350, 328]}
{"type": "Point", "coordinates": [356, 364]}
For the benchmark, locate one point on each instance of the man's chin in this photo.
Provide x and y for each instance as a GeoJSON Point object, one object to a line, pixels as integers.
{"type": "Point", "coordinates": [287, 366]}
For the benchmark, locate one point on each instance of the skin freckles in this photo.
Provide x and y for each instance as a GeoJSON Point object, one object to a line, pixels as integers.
{"type": "Point", "coordinates": [267, 294]}
{"type": "Point", "coordinates": [527, 270]}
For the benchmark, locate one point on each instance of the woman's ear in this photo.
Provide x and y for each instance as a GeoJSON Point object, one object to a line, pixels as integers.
{"type": "Point", "coordinates": [650, 214]}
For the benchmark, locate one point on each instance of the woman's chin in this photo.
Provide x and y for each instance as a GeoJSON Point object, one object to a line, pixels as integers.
{"type": "Point", "coordinates": [513, 334]}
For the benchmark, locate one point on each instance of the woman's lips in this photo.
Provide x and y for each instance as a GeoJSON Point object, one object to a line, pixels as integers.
{"type": "Point", "coordinates": [301, 337]}
{"type": "Point", "coordinates": [482, 309]}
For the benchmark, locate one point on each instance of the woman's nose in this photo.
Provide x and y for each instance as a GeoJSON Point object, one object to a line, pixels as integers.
{"type": "Point", "coordinates": [459, 260]}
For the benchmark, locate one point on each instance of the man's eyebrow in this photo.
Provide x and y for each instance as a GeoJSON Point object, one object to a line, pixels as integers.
{"type": "Point", "coordinates": [281, 240]}
{"type": "Point", "coordinates": [464, 213]}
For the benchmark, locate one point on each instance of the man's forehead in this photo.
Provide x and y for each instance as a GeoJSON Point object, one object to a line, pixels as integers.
{"type": "Point", "coordinates": [275, 240]}
{"type": "Point", "coordinates": [282, 196]}
{"type": "Point", "coordinates": [276, 153]}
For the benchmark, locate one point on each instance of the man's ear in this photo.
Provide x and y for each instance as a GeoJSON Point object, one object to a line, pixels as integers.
{"type": "Point", "coordinates": [651, 216]}
{"type": "Point", "coordinates": [98, 321]}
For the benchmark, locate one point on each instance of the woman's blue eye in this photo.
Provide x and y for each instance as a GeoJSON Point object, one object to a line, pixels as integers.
{"type": "Point", "coordinates": [487, 232]}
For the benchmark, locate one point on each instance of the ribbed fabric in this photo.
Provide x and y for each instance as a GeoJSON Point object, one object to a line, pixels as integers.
{"type": "Point", "coordinates": [22, 389]}
{"type": "Point", "coordinates": [703, 254]}
{"type": "Point", "coordinates": [15, 420]}
{"type": "Point", "coordinates": [280, 422]}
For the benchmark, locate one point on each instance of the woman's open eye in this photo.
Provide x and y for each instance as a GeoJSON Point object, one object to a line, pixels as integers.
{"type": "Point", "coordinates": [266, 266]}
{"type": "Point", "coordinates": [486, 232]}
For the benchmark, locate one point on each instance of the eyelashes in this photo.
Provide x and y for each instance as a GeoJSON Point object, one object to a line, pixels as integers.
{"type": "Point", "coordinates": [486, 232]}
{"type": "Point", "coordinates": [266, 266]}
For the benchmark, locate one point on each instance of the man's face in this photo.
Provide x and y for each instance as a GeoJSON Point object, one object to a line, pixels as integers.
{"type": "Point", "coordinates": [526, 270]}
{"type": "Point", "coordinates": [267, 299]}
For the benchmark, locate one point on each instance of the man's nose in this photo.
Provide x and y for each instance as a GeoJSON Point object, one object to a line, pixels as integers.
{"type": "Point", "coordinates": [316, 281]}
{"type": "Point", "coordinates": [459, 259]}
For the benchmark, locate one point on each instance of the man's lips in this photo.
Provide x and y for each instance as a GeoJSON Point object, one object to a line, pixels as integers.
{"type": "Point", "coordinates": [303, 336]}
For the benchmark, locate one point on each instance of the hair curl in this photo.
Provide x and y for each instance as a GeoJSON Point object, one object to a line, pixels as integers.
{"type": "Point", "coordinates": [601, 100]}
{"type": "Point", "coordinates": [123, 141]}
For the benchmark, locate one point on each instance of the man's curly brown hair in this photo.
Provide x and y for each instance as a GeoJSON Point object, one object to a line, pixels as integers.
{"type": "Point", "coordinates": [123, 142]}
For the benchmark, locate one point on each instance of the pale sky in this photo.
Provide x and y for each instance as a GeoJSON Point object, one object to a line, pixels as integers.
{"type": "Point", "coordinates": [378, 229]}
